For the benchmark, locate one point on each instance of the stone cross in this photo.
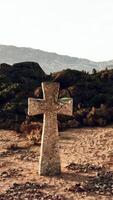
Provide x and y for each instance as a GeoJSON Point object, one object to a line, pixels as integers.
{"type": "Point", "coordinates": [50, 106]}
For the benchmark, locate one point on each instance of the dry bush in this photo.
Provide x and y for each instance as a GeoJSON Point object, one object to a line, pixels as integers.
{"type": "Point", "coordinates": [32, 131]}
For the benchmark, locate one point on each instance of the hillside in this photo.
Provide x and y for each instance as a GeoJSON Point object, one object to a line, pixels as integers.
{"type": "Point", "coordinates": [92, 95]}
{"type": "Point", "coordinates": [50, 62]}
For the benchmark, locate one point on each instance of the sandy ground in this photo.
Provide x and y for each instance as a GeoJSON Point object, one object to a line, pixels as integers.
{"type": "Point", "coordinates": [81, 146]}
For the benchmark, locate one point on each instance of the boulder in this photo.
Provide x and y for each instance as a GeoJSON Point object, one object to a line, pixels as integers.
{"type": "Point", "coordinates": [73, 123]}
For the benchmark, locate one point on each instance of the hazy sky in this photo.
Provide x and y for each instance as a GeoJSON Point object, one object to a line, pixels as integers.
{"type": "Point", "coordinates": [81, 28]}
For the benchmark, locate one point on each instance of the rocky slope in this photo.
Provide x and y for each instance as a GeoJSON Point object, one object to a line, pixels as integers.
{"type": "Point", "coordinates": [92, 95]}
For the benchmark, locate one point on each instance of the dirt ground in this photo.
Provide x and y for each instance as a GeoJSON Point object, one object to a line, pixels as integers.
{"type": "Point", "coordinates": [19, 162]}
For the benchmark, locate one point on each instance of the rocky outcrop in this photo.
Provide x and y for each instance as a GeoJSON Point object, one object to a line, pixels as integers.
{"type": "Point", "coordinates": [92, 95]}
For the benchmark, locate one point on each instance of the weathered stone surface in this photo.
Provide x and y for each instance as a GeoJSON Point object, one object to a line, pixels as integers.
{"type": "Point", "coordinates": [50, 106]}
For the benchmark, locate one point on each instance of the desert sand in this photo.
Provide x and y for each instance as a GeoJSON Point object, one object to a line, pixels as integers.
{"type": "Point", "coordinates": [19, 162]}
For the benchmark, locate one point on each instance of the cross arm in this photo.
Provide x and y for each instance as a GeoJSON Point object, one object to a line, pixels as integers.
{"type": "Point", "coordinates": [65, 106]}
{"type": "Point", "coordinates": [35, 106]}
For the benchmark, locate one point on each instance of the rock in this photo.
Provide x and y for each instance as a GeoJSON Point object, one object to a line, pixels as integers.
{"type": "Point", "coordinates": [67, 77]}
{"type": "Point", "coordinates": [77, 188]}
{"type": "Point", "coordinates": [64, 93]}
{"type": "Point", "coordinates": [17, 83]}
{"type": "Point", "coordinates": [38, 93]}
{"type": "Point", "coordinates": [73, 123]}
{"type": "Point", "coordinates": [11, 173]}
{"type": "Point", "coordinates": [62, 126]}
{"type": "Point", "coordinates": [101, 122]}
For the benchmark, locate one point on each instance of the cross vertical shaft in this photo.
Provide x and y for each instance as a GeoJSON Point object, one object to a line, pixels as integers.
{"type": "Point", "coordinates": [49, 162]}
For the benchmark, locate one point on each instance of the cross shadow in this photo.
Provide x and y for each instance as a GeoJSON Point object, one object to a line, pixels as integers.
{"type": "Point", "coordinates": [88, 183]}
{"type": "Point", "coordinates": [78, 177]}
{"type": "Point", "coordinates": [65, 138]}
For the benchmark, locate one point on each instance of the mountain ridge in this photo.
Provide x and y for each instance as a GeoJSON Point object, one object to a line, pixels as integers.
{"type": "Point", "coordinates": [49, 61]}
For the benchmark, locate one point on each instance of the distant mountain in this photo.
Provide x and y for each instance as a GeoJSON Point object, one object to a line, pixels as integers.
{"type": "Point", "coordinates": [50, 62]}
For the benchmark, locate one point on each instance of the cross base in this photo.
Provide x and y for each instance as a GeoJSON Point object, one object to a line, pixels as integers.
{"type": "Point", "coordinates": [50, 171]}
